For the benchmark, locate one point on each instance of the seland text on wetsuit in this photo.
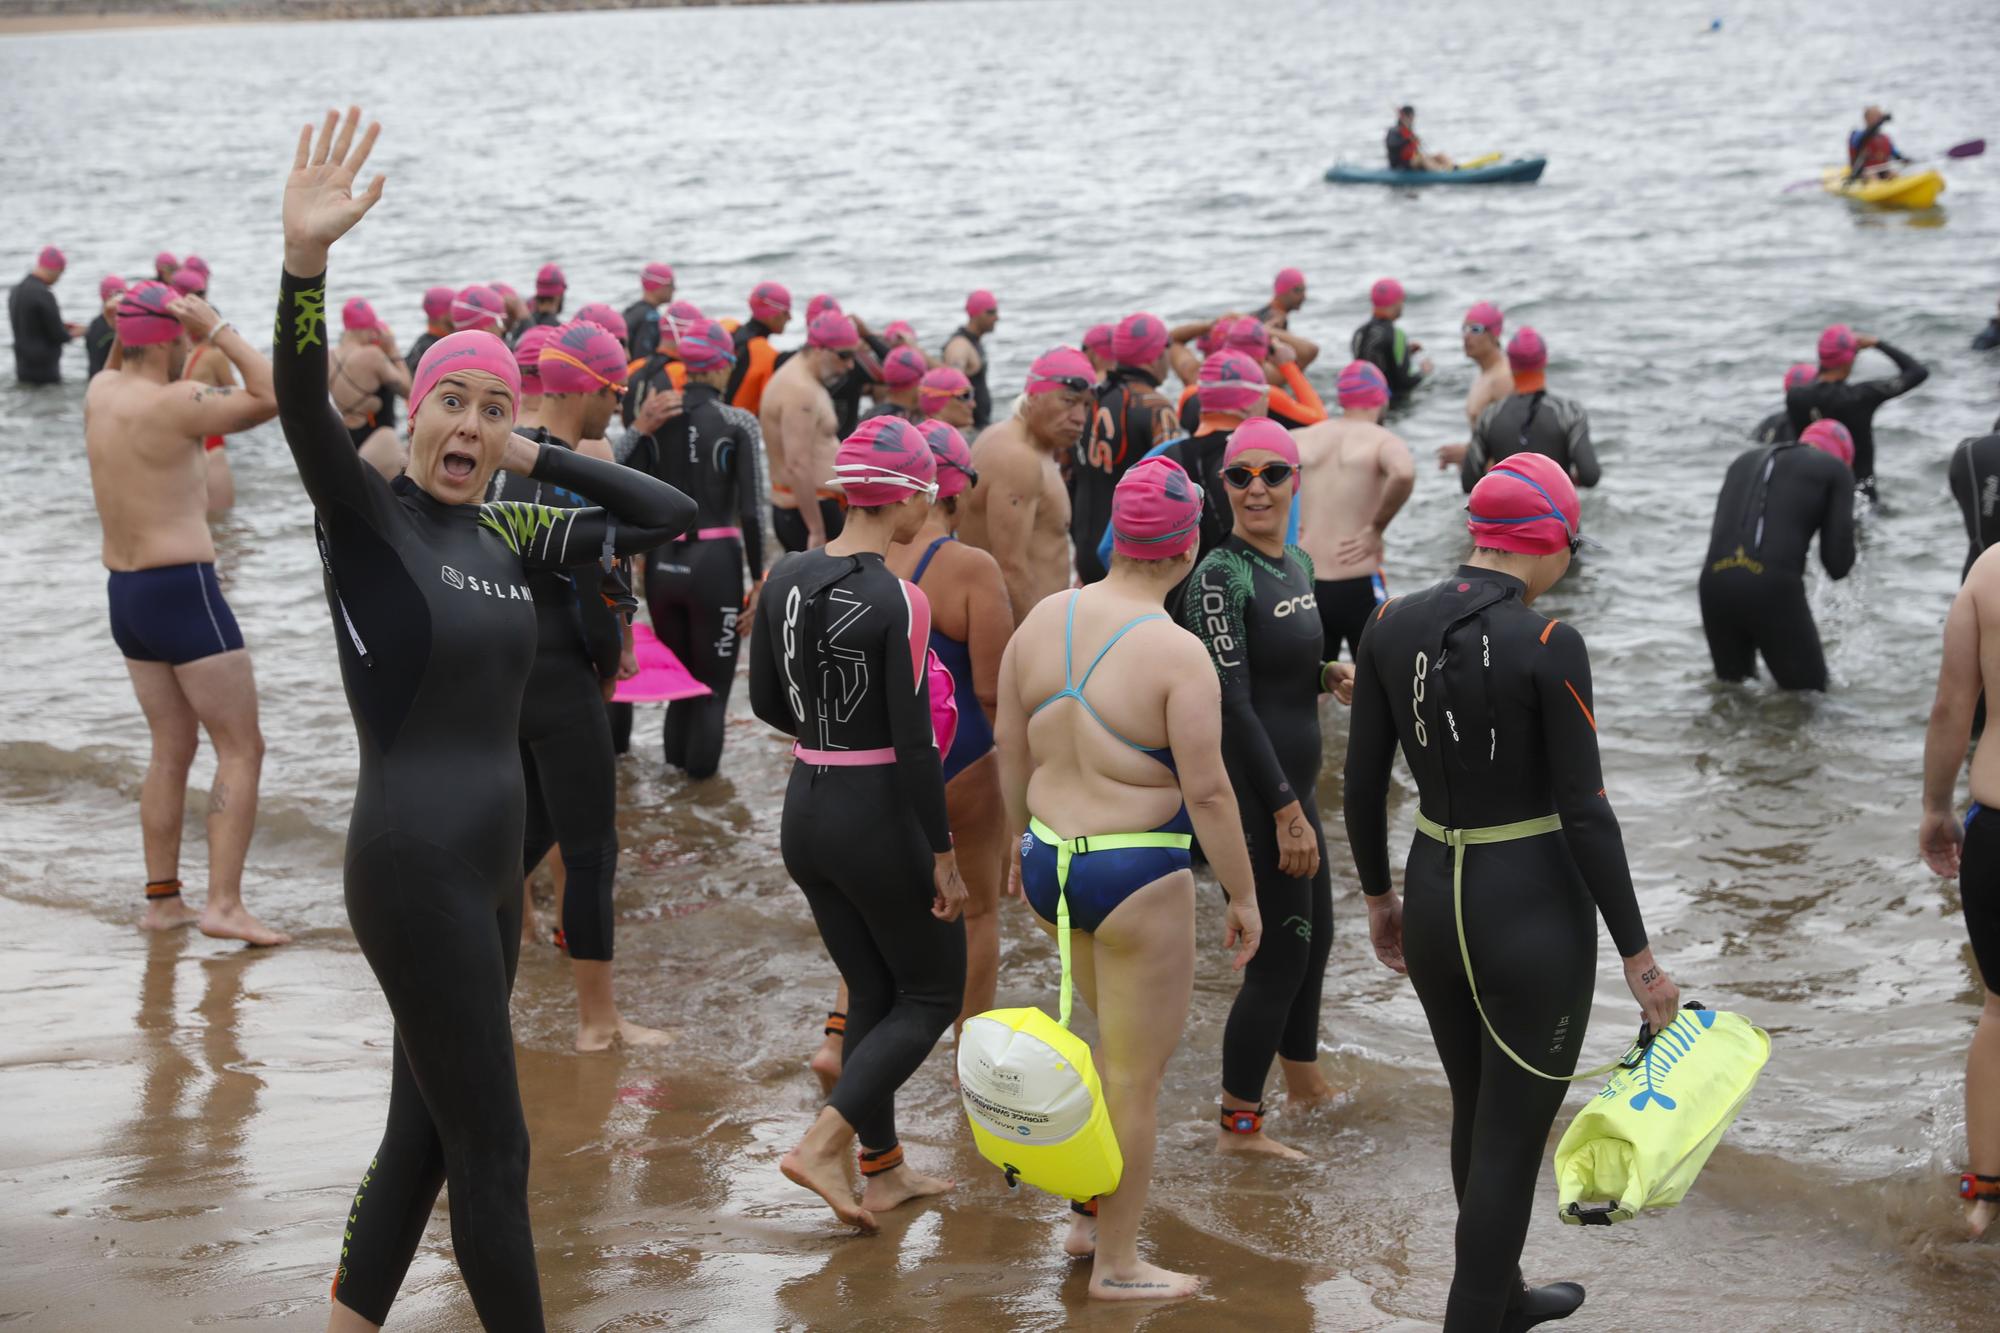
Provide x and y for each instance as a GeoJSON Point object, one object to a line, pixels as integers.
{"type": "Point", "coordinates": [1753, 590]}
{"type": "Point", "coordinates": [1131, 417]}
{"type": "Point", "coordinates": [1532, 423]}
{"type": "Point", "coordinates": [694, 585]}
{"type": "Point", "coordinates": [1491, 705]}
{"type": "Point", "coordinates": [1258, 619]}
{"type": "Point", "coordinates": [837, 661]}
{"type": "Point", "coordinates": [435, 630]}
{"type": "Point", "coordinates": [1852, 403]}
{"type": "Point", "coordinates": [1975, 484]}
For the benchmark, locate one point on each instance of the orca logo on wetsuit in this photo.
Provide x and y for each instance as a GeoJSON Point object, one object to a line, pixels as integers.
{"type": "Point", "coordinates": [1417, 699]}
{"type": "Point", "coordinates": [793, 600]}
{"type": "Point", "coordinates": [1293, 605]}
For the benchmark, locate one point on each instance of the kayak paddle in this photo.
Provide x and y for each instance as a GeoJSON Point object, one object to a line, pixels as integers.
{"type": "Point", "coordinates": [1488, 159]}
{"type": "Point", "coordinates": [1970, 148]}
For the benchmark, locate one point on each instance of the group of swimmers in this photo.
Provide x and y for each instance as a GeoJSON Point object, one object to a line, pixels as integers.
{"type": "Point", "coordinates": [1138, 604]}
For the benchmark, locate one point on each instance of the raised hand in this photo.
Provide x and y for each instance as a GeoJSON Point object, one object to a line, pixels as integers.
{"type": "Point", "coordinates": [320, 203]}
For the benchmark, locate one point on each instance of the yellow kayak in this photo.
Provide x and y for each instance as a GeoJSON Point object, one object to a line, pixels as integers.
{"type": "Point", "coordinates": [1916, 189]}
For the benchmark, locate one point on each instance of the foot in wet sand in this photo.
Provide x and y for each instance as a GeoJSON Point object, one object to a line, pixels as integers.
{"type": "Point", "coordinates": [622, 1033]}
{"type": "Point", "coordinates": [1979, 1216]}
{"type": "Point", "coordinates": [826, 1176]}
{"type": "Point", "coordinates": [825, 1064]}
{"type": "Point", "coordinates": [168, 914]}
{"type": "Point", "coordinates": [235, 923]}
{"type": "Point", "coordinates": [893, 1188]}
{"type": "Point", "coordinates": [1142, 1282]}
{"type": "Point", "coordinates": [1081, 1242]}
{"type": "Point", "coordinates": [1259, 1144]}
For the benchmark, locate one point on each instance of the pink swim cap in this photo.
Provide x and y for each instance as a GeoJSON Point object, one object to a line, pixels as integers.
{"type": "Point", "coordinates": [1155, 511]}
{"type": "Point", "coordinates": [981, 302]}
{"type": "Point", "coordinates": [466, 350]}
{"type": "Point", "coordinates": [189, 281]}
{"type": "Point", "coordinates": [1488, 318]}
{"type": "Point", "coordinates": [1288, 280]}
{"type": "Point", "coordinates": [357, 315]}
{"type": "Point", "coordinates": [884, 461]}
{"type": "Point", "coordinates": [1830, 437]}
{"type": "Point", "coordinates": [1386, 294]}
{"type": "Point", "coordinates": [1231, 382]}
{"type": "Point", "coordinates": [1139, 340]}
{"type": "Point", "coordinates": [143, 320]}
{"type": "Point", "coordinates": [1211, 342]}
{"type": "Point", "coordinates": [1097, 341]}
{"type": "Point", "coordinates": [1248, 336]}
{"type": "Point", "coordinates": [1527, 351]}
{"type": "Point", "coordinates": [52, 258]}
{"type": "Point", "coordinates": [679, 318]}
{"type": "Point", "coordinates": [437, 302]}
{"type": "Point", "coordinates": [165, 259]}
{"type": "Point", "coordinates": [954, 457]}
{"type": "Point", "coordinates": [833, 331]}
{"type": "Point", "coordinates": [477, 309]}
{"type": "Point", "coordinates": [1805, 372]}
{"type": "Point", "coordinates": [1061, 368]}
{"type": "Point", "coordinates": [197, 263]}
{"type": "Point", "coordinates": [1526, 504]}
{"type": "Point", "coordinates": [704, 345]}
{"type": "Point", "coordinates": [528, 356]}
{"type": "Point", "coordinates": [549, 281]}
{"type": "Point", "coordinates": [655, 276]}
{"type": "Point", "coordinates": [1261, 433]}
{"type": "Point", "coordinates": [899, 332]}
{"type": "Point", "coordinates": [109, 286]}
{"type": "Point", "coordinates": [769, 301]}
{"type": "Point", "coordinates": [604, 317]}
{"type": "Point", "coordinates": [1837, 347]}
{"type": "Point", "coordinates": [1361, 386]}
{"type": "Point", "coordinates": [819, 305]}
{"type": "Point", "coordinates": [903, 367]}
{"type": "Point", "coordinates": [581, 358]}
{"type": "Point", "coordinates": [502, 290]}
{"type": "Point", "coordinates": [939, 386]}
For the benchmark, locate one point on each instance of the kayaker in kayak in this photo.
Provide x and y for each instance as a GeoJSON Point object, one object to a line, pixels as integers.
{"type": "Point", "coordinates": [1406, 150]}
{"type": "Point", "coordinates": [1870, 151]}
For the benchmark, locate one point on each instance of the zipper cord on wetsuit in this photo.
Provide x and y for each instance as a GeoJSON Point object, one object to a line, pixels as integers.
{"type": "Point", "coordinates": [1761, 496]}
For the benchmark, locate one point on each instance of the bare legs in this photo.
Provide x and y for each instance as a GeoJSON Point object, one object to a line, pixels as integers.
{"type": "Point", "coordinates": [978, 829]}
{"type": "Point", "coordinates": [1982, 1110]}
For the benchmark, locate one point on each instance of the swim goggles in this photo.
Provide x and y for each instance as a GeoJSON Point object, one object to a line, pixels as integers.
{"type": "Point", "coordinates": [867, 474]}
{"type": "Point", "coordinates": [1240, 475]}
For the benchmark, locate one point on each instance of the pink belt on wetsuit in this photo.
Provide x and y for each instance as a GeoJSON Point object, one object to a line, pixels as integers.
{"type": "Point", "coordinates": [844, 758]}
{"type": "Point", "coordinates": [717, 534]}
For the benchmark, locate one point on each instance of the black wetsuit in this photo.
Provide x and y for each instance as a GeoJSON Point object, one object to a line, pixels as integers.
{"type": "Point", "coordinates": [1531, 423]}
{"type": "Point", "coordinates": [1775, 429]}
{"type": "Point", "coordinates": [435, 629]}
{"type": "Point", "coordinates": [1258, 620]}
{"type": "Point", "coordinates": [642, 329]}
{"type": "Point", "coordinates": [694, 586]}
{"type": "Point", "coordinates": [567, 762]}
{"type": "Point", "coordinates": [414, 357]}
{"type": "Point", "coordinates": [1988, 337]}
{"type": "Point", "coordinates": [982, 397]}
{"type": "Point", "coordinates": [1852, 403]}
{"type": "Point", "coordinates": [837, 661]}
{"type": "Point", "coordinates": [1492, 706]}
{"type": "Point", "coordinates": [39, 331]}
{"type": "Point", "coordinates": [848, 391]}
{"type": "Point", "coordinates": [1130, 419]}
{"type": "Point", "coordinates": [1753, 580]}
{"type": "Point", "coordinates": [1382, 344]}
{"type": "Point", "coordinates": [1975, 484]}
{"type": "Point", "coordinates": [97, 340]}
{"type": "Point", "coordinates": [549, 319]}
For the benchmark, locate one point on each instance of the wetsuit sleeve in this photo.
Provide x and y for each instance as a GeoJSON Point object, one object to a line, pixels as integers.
{"type": "Point", "coordinates": [1569, 729]}
{"type": "Point", "coordinates": [1910, 372]}
{"type": "Point", "coordinates": [1403, 376]}
{"type": "Point", "coordinates": [637, 513]}
{"type": "Point", "coordinates": [1474, 465]}
{"type": "Point", "coordinates": [1216, 613]}
{"type": "Point", "coordinates": [337, 481]}
{"type": "Point", "coordinates": [918, 762]}
{"type": "Point", "coordinates": [1303, 392]}
{"type": "Point", "coordinates": [1582, 456]}
{"type": "Point", "coordinates": [750, 497]}
{"type": "Point", "coordinates": [1371, 751]}
{"type": "Point", "coordinates": [49, 313]}
{"type": "Point", "coordinates": [1987, 337]}
{"type": "Point", "coordinates": [767, 677]}
{"type": "Point", "coordinates": [1836, 525]}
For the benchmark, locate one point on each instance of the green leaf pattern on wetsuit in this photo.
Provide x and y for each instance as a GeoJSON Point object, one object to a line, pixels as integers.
{"type": "Point", "coordinates": [518, 523]}
{"type": "Point", "coordinates": [308, 318]}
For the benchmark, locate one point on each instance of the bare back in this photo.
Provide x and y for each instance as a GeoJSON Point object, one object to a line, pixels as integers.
{"type": "Point", "coordinates": [1982, 584]}
{"type": "Point", "coordinates": [356, 381]}
{"type": "Point", "coordinates": [800, 429]}
{"type": "Point", "coordinates": [968, 601]}
{"type": "Point", "coordinates": [1343, 472]}
{"type": "Point", "coordinates": [148, 476]}
{"type": "Point", "coordinates": [1493, 384]}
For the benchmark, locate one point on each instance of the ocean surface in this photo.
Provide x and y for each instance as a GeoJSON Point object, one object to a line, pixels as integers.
{"type": "Point", "coordinates": [1082, 161]}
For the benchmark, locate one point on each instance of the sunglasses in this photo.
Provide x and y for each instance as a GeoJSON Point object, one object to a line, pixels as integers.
{"type": "Point", "coordinates": [1241, 475]}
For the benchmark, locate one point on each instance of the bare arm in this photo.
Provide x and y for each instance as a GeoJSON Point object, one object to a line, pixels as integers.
{"type": "Point", "coordinates": [1010, 736]}
{"type": "Point", "coordinates": [1399, 477]}
{"type": "Point", "coordinates": [1305, 349]}
{"type": "Point", "coordinates": [989, 620]}
{"type": "Point", "coordinates": [222, 409]}
{"type": "Point", "coordinates": [1194, 732]}
{"type": "Point", "coordinates": [1010, 524]}
{"type": "Point", "coordinates": [960, 356]}
{"type": "Point", "coordinates": [799, 429]}
{"type": "Point", "coordinates": [1940, 836]}
{"type": "Point", "coordinates": [392, 371]}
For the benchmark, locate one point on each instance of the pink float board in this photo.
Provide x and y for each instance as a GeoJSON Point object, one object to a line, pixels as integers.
{"type": "Point", "coordinates": [661, 675]}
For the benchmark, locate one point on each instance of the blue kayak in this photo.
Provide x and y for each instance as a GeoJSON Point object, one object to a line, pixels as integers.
{"type": "Point", "coordinates": [1521, 171]}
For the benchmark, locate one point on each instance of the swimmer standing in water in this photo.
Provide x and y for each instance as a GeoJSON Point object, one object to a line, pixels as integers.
{"type": "Point", "coordinates": [368, 375]}
{"type": "Point", "coordinates": [1354, 477]}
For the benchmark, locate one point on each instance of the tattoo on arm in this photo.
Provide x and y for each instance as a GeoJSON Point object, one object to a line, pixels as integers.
{"type": "Point", "coordinates": [214, 391]}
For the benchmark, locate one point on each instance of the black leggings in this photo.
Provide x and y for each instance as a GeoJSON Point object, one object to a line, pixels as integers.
{"type": "Point", "coordinates": [572, 784]}
{"type": "Point", "coordinates": [443, 942]}
{"type": "Point", "coordinates": [1979, 890]}
{"type": "Point", "coordinates": [866, 870]}
{"type": "Point", "coordinates": [1533, 937]}
{"type": "Point", "coordinates": [1345, 607]}
{"type": "Point", "coordinates": [1746, 614]}
{"type": "Point", "coordinates": [694, 594]}
{"type": "Point", "coordinates": [1277, 1010]}
{"type": "Point", "coordinates": [790, 529]}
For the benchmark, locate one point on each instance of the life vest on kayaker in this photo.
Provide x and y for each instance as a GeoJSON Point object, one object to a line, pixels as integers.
{"type": "Point", "coordinates": [1404, 148]}
{"type": "Point", "coordinates": [1867, 151]}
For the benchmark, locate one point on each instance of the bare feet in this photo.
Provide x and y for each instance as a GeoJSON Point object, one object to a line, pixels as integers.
{"type": "Point", "coordinates": [1980, 1215]}
{"type": "Point", "coordinates": [590, 1037]}
{"type": "Point", "coordinates": [1306, 1087]}
{"type": "Point", "coordinates": [168, 914]}
{"type": "Point", "coordinates": [895, 1187]}
{"type": "Point", "coordinates": [1081, 1242]}
{"type": "Point", "coordinates": [1259, 1144]}
{"type": "Point", "coordinates": [1142, 1282]}
{"type": "Point", "coordinates": [827, 1177]}
{"type": "Point", "coordinates": [825, 1064]}
{"type": "Point", "coordinates": [235, 923]}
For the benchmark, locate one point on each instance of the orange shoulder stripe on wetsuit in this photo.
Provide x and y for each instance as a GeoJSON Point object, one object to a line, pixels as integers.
{"type": "Point", "coordinates": [1549, 629]}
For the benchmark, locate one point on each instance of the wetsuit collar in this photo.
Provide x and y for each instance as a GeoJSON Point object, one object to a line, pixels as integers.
{"type": "Point", "coordinates": [1471, 572]}
{"type": "Point", "coordinates": [407, 487]}
{"type": "Point", "coordinates": [1140, 373]}
{"type": "Point", "coordinates": [698, 393]}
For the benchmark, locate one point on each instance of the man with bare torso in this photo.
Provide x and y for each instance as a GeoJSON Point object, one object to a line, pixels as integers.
{"type": "Point", "coordinates": [366, 376]}
{"type": "Point", "coordinates": [802, 433]}
{"type": "Point", "coordinates": [1020, 511]}
{"type": "Point", "coordinates": [1495, 381]}
{"type": "Point", "coordinates": [143, 427]}
{"type": "Point", "coordinates": [1354, 477]}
